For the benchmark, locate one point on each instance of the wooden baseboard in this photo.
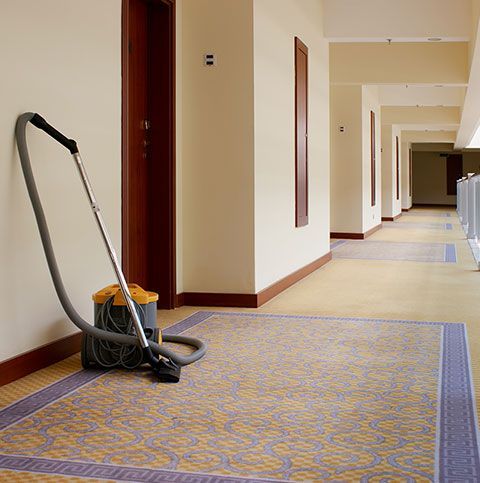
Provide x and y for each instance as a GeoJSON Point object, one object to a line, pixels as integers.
{"type": "Point", "coordinates": [355, 236]}
{"type": "Point", "coordinates": [373, 230]}
{"type": "Point", "coordinates": [347, 235]}
{"type": "Point", "coordinates": [179, 300]}
{"type": "Point", "coordinates": [203, 299]}
{"type": "Point", "coordinates": [254, 301]}
{"type": "Point", "coordinates": [39, 358]}
{"type": "Point", "coordinates": [390, 218]}
{"type": "Point", "coordinates": [278, 287]}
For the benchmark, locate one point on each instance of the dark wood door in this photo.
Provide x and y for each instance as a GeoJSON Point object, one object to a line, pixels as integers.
{"type": "Point", "coordinates": [410, 172]}
{"type": "Point", "coordinates": [454, 172]}
{"type": "Point", "coordinates": [301, 133]}
{"type": "Point", "coordinates": [134, 175]}
{"type": "Point", "coordinates": [148, 165]}
{"type": "Point", "coordinates": [397, 166]}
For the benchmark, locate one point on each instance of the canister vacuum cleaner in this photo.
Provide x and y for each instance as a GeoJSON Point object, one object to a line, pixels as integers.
{"type": "Point", "coordinates": [124, 333]}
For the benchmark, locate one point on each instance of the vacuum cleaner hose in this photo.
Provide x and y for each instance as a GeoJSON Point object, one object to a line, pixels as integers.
{"type": "Point", "coordinates": [74, 316]}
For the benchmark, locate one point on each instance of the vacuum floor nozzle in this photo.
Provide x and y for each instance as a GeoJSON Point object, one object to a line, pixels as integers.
{"type": "Point", "coordinates": [167, 371]}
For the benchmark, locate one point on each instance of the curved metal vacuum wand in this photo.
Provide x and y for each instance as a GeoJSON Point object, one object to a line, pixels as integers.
{"type": "Point", "coordinates": [164, 368]}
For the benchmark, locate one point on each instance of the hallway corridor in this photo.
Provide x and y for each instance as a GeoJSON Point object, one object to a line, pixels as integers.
{"type": "Point", "coordinates": [332, 395]}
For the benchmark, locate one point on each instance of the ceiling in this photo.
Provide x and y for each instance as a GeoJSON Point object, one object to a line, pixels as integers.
{"type": "Point", "coordinates": [399, 20]}
{"type": "Point", "coordinates": [420, 53]}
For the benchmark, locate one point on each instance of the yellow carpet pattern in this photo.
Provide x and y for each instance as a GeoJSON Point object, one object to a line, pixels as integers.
{"type": "Point", "coordinates": [277, 397]}
{"type": "Point", "coordinates": [310, 399]}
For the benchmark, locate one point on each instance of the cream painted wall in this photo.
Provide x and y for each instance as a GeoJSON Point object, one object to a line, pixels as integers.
{"type": "Point", "coordinates": [74, 80]}
{"type": "Point", "coordinates": [408, 95]}
{"type": "Point", "coordinates": [346, 200]}
{"type": "Point", "coordinates": [399, 63]}
{"type": "Point", "coordinates": [218, 147]}
{"type": "Point", "coordinates": [387, 206]}
{"type": "Point", "coordinates": [437, 147]}
{"type": "Point", "coordinates": [351, 210]}
{"type": "Point", "coordinates": [350, 203]}
{"type": "Point", "coordinates": [390, 205]}
{"type": "Point", "coordinates": [280, 248]}
{"type": "Point", "coordinates": [429, 136]}
{"type": "Point", "coordinates": [405, 159]}
{"type": "Point", "coordinates": [407, 19]}
{"type": "Point", "coordinates": [396, 203]}
{"type": "Point", "coordinates": [372, 215]}
{"type": "Point", "coordinates": [421, 115]}
{"type": "Point", "coordinates": [430, 179]}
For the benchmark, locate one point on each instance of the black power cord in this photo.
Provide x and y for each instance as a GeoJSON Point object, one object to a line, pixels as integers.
{"type": "Point", "coordinates": [117, 319]}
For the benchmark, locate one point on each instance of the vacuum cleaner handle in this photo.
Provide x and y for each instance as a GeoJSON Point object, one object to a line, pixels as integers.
{"type": "Point", "coordinates": [165, 370]}
{"type": "Point", "coordinates": [70, 144]}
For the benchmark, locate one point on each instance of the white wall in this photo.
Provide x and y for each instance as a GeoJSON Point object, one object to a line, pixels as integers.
{"type": "Point", "coordinates": [280, 248]}
{"type": "Point", "coordinates": [60, 58]}
{"type": "Point", "coordinates": [217, 154]}
{"type": "Point", "coordinates": [474, 28]}
{"type": "Point", "coordinates": [396, 203]}
{"type": "Point", "coordinates": [372, 215]}
{"type": "Point", "coordinates": [386, 170]}
{"type": "Point", "coordinates": [346, 205]}
{"type": "Point", "coordinates": [470, 121]}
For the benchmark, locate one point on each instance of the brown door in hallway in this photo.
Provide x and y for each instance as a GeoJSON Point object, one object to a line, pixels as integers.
{"type": "Point", "coordinates": [454, 172]}
{"type": "Point", "coordinates": [397, 167]}
{"type": "Point", "coordinates": [301, 133]}
{"type": "Point", "coordinates": [373, 162]}
{"type": "Point", "coordinates": [410, 172]}
{"type": "Point", "coordinates": [148, 146]}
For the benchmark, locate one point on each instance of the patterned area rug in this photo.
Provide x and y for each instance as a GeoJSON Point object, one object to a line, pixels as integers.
{"type": "Point", "coordinates": [417, 226]}
{"type": "Point", "coordinates": [277, 398]}
{"type": "Point", "coordinates": [398, 251]}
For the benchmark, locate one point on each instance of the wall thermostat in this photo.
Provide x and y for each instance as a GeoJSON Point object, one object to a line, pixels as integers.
{"type": "Point", "coordinates": [210, 60]}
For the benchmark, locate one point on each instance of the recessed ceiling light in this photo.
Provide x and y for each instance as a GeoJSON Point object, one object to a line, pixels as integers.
{"type": "Point", "coordinates": [434, 39]}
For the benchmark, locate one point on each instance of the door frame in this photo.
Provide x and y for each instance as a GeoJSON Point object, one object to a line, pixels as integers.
{"type": "Point", "coordinates": [170, 210]}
